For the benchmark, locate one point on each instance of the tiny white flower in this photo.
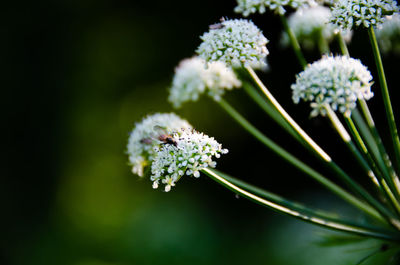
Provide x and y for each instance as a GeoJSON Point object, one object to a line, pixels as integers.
{"type": "Point", "coordinates": [336, 81]}
{"type": "Point", "coordinates": [192, 146]}
{"type": "Point", "coordinates": [349, 14]}
{"type": "Point", "coordinates": [192, 79]}
{"type": "Point", "coordinates": [388, 34]}
{"type": "Point", "coordinates": [308, 24]}
{"type": "Point", "coordinates": [144, 138]}
{"type": "Point", "coordinates": [247, 7]}
{"type": "Point", "coordinates": [155, 184]}
{"type": "Point", "coordinates": [237, 43]}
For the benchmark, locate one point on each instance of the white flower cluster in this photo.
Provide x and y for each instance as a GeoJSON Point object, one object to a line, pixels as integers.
{"type": "Point", "coordinates": [349, 14]}
{"type": "Point", "coordinates": [247, 7]}
{"type": "Point", "coordinates": [235, 42]}
{"type": "Point", "coordinates": [192, 79]}
{"type": "Point", "coordinates": [388, 34]}
{"type": "Point", "coordinates": [310, 24]}
{"type": "Point", "coordinates": [145, 136]}
{"type": "Point", "coordinates": [326, 2]}
{"type": "Point", "coordinates": [193, 151]}
{"type": "Point", "coordinates": [337, 81]}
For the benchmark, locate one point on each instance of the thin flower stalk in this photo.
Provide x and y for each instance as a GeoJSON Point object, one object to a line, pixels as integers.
{"type": "Point", "coordinates": [342, 44]}
{"type": "Point", "coordinates": [377, 176]}
{"type": "Point", "coordinates": [298, 212]}
{"type": "Point", "coordinates": [374, 131]}
{"type": "Point", "coordinates": [385, 94]}
{"type": "Point", "coordinates": [287, 117]}
{"type": "Point", "coordinates": [271, 111]}
{"type": "Point", "coordinates": [293, 40]}
{"type": "Point", "coordinates": [323, 45]}
{"type": "Point", "coordinates": [347, 139]}
{"type": "Point", "coordinates": [376, 147]}
{"type": "Point", "coordinates": [284, 202]}
{"type": "Point", "coordinates": [364, 150]}
{"type": "Point", "coordinates": [299, 164]}
{"type": "Point", "coordinates": [375, 142]}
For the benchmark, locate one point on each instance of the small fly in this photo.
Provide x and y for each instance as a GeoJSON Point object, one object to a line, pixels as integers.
{"type": "Point", "coordinates": [218, 25]}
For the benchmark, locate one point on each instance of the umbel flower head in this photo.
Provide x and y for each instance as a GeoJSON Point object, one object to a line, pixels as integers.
{"type": "Point", "coordinates": [310, 24]}
{"type": "Point", "coordinates": [192, 79]}
{"type": "Point", "coordinates": [247, 7]}
{"type": "Point", "coordinates": [237, 42]}
{"type": "Point", "coordinates": [388, 34]}
{"type": "Point", "coordinates": [336, 81]}
{"type": "Point", "coordinates": [349, 14]}
{"type": "Point", "coordinates": [192, 152]}
{"type": "Point", "coordinates": [146, 135]}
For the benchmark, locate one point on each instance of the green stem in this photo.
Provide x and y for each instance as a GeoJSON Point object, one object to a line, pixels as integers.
{"type": "Point", "coordinates": [299, 164]}
{"type": "Point", "coordinates": [376, 146]}
{"type": "Point", "coordinates": [342, 44]}
{"type": "Point", "coordinates": [293, 41]}
{"type": "Point", "coordinates": [361, 146]}
{"type": "Point", "coordinates": [322, 155]}
{"type": "Point", "coordinates": [322, 44]}
{"type": "Point", "coordinates": [301, 133]}
{"type": "Point", "coordinates": [386, 98]}
{"type": "Point", "coordinates": [377, 177]}
{"type": "Point", "coordinates": [302, 213]}
{"type": "Point", "coordinates": [347, 139]}
{"type": "Point", "coordinates": [373, 140]}
{"type": "Point", "coordinates": [270, 110]}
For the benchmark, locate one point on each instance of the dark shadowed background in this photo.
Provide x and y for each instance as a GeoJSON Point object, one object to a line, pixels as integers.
{"type": "Point", "coordinates": [76, 75]}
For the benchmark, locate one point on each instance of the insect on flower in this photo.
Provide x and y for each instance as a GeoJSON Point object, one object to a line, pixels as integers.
{"type": "Point", "coordinates": [218, 25]}
{"type": "Point", "coordinates": [164, 136]}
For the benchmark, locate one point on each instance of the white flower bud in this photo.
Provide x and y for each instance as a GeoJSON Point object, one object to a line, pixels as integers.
{"type": "Point", "coordinates": [144, 138]}
{"type": "Point", "coordinates": [192, 79]}
{"type": "Point", "coordinates": [238, 43]}
{"type": "Point", "coordinates": [191, 145]}
{"type": "Point", "coordinates": [247, 7]}
{"type": "Point", "coordinates": [388, 34]}
{"type": "Point", "coordinates": [349, 14]}
{"type": "Point", "coordinates": [308, 24]}
{"type": "Point", "coordinates": [337, 81]}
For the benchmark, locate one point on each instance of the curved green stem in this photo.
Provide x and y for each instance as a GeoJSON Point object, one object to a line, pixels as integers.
{"type": "Point", "coordinates": [373, 139]}
{"type": "Point", "coordinates": [342, 44]}
{"type": "Point", "coordinates": [299, 164]}
{"type": "Point", "coordinates": [302, 213]}
{"type": "Point", "coordinates": [377, 177]}
{"type": "Point", "coordinates": [323, 44]}
{"type": "Point", "coordinates": [288, 118]}
{"type": "Point", "coordinates": [271, 111]}
{"type": "Point", "coordinates": [377, 147]}
{"type": "Point", "coordinates": [326, 158]}
{"type": "Point", "coordinates": [386, 98]}
{"type": "Point", "coordinates": [293, 41]}
{"type": "Point", "coordinates": [347, 139]}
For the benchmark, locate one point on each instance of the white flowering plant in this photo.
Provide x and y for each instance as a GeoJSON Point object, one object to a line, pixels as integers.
{"type": "Point", "coordinates": [164, 147]}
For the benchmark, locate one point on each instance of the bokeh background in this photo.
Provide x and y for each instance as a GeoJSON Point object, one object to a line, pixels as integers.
{"type": "Point", "coordinates": [76, 75]}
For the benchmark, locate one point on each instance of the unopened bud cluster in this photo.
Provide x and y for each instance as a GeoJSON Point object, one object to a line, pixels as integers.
{"type": "Point", "coordinates": [349, 14]}
{"type": "Point", "coordinates": [335, 81]}
{"type": "Point", "coordinates": [237, 43]}
{"type": "Point", "coordinates": [247, 7]}
{"type": "Point", "coordinates": [193, 79]}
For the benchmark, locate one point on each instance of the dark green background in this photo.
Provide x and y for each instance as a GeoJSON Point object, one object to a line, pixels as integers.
{"type": "Point", "coordinates": [76, 75]}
